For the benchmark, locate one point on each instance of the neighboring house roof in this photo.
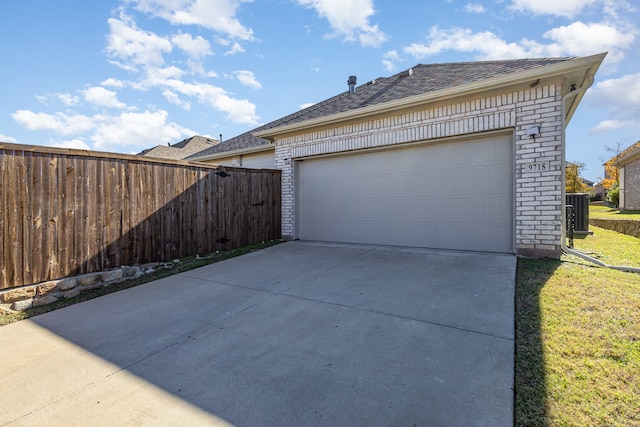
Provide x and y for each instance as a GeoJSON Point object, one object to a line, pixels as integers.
{"type": "Point", "coordinates": [241, 144]}
{"type": "Point", "coordinates": [629, 155]}
{"type": "Point", "coordinates": [419, 80]}
{"type": "Point", "coordinates": [182, 149]}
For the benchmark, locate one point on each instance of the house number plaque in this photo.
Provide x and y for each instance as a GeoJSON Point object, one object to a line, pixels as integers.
{"type": "Point", "coordinates": [536, 167]}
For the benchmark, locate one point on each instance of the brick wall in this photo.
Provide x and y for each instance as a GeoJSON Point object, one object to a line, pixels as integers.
{"type": "Point", "coordinates": [632, 186]}
{"type": "Point", "coordinates": [537, 193]}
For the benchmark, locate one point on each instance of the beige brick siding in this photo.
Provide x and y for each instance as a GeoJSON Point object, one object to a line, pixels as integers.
{"type": "Point", "coordinates": [537, 194]}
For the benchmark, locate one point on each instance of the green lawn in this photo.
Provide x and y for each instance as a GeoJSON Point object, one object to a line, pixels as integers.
{"type": "Point", "coordinates": [597, 211]}
{"type": "Point", "coordinates": [578, 337]}
{"type": "Point", "coordinates": [610, 247]}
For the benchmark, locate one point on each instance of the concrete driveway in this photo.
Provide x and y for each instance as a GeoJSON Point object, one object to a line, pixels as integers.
{"type": "Point", "coordinates": [297, 334]}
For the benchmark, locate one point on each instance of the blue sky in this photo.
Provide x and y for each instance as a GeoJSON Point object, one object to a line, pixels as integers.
{"type": "Point", "coordinates": [124, 75]}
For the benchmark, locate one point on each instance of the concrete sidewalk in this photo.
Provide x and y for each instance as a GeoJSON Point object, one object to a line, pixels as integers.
{"type": "Point", "coordinates": [297, 334]}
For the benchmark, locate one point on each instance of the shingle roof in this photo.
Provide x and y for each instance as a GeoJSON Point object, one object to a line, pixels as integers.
{"type": "Point", "coordinates": [420, 79]}
{"type": "Point", "coordinates": [627, 154]}
{"type": "Point", "coordinates": [182, 149]}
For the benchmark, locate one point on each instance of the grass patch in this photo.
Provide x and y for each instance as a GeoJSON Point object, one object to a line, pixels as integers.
{"type": "Point", "coordinates": [605, 212]}
{"type": "Point", "coordinates": [186, 264]}
{"type": "Point", "coordinates": [578, 337]}
{"type": "Point", "coordinates": [609, 246]}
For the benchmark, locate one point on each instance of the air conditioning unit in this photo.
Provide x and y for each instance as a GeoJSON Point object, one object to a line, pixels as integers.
{"type": "Point", "coordinates": [580, 203]}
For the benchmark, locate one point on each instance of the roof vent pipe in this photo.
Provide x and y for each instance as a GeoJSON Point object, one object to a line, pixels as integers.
{"type": "Point", "coordinates": [352, 84]}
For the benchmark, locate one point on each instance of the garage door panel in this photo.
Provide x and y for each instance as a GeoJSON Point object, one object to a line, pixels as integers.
{"type": "Point", "coordinates": [454, 195]}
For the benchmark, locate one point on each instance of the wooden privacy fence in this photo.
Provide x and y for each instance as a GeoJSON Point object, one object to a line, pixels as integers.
{"type": "Point", "coordinates": [69, 212]}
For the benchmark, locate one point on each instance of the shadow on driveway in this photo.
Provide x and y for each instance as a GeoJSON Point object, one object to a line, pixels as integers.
{"type": "Point", "coordinates": [297, 334]}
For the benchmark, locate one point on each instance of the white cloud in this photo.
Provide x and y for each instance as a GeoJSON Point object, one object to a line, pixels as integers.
{"type": "Point", "coordinates": [5, 138]}
{"type": "Point", "coordinates": [235, 49]}
{"type": "Point", "coordinates": [102, 97]}
{"type": "Point", "coordinates": [217, 15]}
{"type": "Point", "coordinates": [129, 129]}
{"type": "Point", "coordinates": [108, 132]}
{"type": "Point", "coordinates": [474, 8]}
{"type": "Point", "coordinates": [76, 143]}
{"type": "Point", "coordinates": [581, 39]}
{"type": "Point", "coordinates": [65, 98]}
{"type": "Point", "coordinates": [566, 8]}
{"type": "Point", "coordinates": [113, 83]}
{"type": "Point", "coordinates": [247, 78]}
{"type": "Point", "coordinates": [158, 76]}
{"type": "Point", "coordinates": [170, 81]}
{"type": "Point", "coordinates": [621, 96]}
{"type": "Point", "coordinates": [577, 39]}
{"type": "Point", "coordinates": [349, 19]}
{"type": "Point", "coordinates": [622, 92]}
{"type": "Point", "coordinates": [146, 55]}
{"type": "Point", "coordinates": [68, 99]}
{"type": "Point", "coordinates": [237, 110]}
{"type": "Point", "coordinates": [62, 123]}
{"type": "Point", "coordinates": [306, 105]}
{"type": "Point", "coordinates": [486, 44]}
{"type": "Point", "coordinates": [196, 48]}
{"type": "Point", "coordinates": [390, 59]}
{"type": "Point", "coordinates": [131, 46]}
{"type": "Point", "coordinates": [612, 125]}
{"type": "Point", "coordinates": [173, 98]}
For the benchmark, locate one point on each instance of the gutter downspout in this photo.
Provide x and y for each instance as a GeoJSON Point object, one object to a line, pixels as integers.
{"type": "Point", "coordinates": [563, 216]}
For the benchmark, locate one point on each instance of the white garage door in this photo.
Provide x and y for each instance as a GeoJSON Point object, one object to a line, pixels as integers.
{"type": "Point", "coordinates": [453, 195]}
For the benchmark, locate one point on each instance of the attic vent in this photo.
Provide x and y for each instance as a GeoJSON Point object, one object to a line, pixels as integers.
{"type": "Point", "coordinates": [407, 73]}
{"type": "Point", "coordinates": [352, 83]}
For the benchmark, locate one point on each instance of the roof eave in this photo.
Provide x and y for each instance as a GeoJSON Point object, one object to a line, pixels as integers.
{"type": "Point", "coordinates": [231, 153]}
{"type": "Point", "coordinates": [589, 64]}
{"type": "Point", "coordinates": [629, 158]}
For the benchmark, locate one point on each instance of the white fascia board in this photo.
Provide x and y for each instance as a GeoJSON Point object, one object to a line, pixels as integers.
{"type": "Point", "coordinates": [238, 152]}
{"type": "Point", "coordinates": [527, 76]}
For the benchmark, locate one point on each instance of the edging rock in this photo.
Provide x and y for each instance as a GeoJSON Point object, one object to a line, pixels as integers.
{"type": "Point", "coordinates": [110, 276]}
{"type": "Point", "coordinates": [22, 304]}
{"type": "Point", "coordinates": [44, 293]}
{"type": "Point", "coordinates": [68, 283]}
{"type": "Point", "coordinates": [44, 300]}
{"type": "Point", "coordinates": [18, 294]}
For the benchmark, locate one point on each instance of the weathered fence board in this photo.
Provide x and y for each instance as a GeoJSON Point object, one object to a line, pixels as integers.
{"type": "Point", "coordinates": [68, 212]}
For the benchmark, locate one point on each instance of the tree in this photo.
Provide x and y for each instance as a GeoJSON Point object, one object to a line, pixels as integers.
{"type": "Point", "coordinates": [613, 195]}
{"type": "Point", "coordinates": [611, 172]}
{"type": "Point", "coordinates": [574, 183]}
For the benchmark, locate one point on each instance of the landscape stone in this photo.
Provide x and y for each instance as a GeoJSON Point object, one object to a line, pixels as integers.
{"type": "Point", "coordinates": [46, 287]}
{"type": "Point", "coordinates": [6, 310]}
{"type": "Point", "coordinates": [44, 300]}
{"type": "Point", "coordinates": [96, 285]}
{"type": "Point", "coordinates": [109, 276]}
{"type": "Point", "coordinates": [18, 294]}
{"type": "Point", "coordinates": [22, 305]}
{"type": "Point", "coordinates": [72, 293]}
{"type": "Point", "coordinates": [131, 271]}
{"type": "Point", "coordinates": [68, 283]}
{"type": "Point", "coordinates": [89, 279]}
